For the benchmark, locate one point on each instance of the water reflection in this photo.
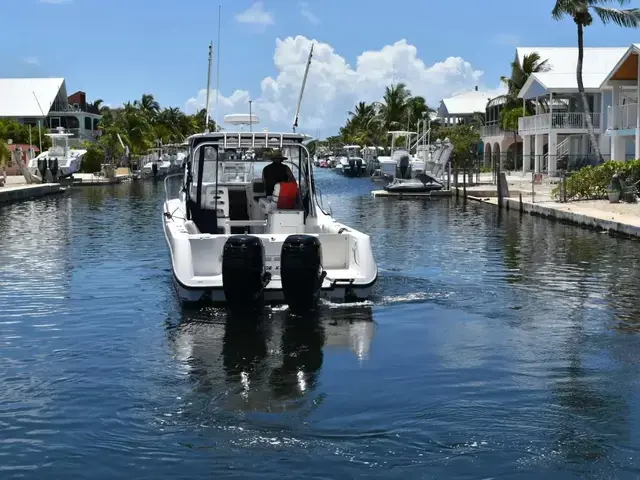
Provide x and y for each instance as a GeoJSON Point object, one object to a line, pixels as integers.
{"type": "Point", "coordinates": [271, 362]}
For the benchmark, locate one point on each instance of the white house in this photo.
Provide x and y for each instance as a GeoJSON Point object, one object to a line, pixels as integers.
{"type": "Point", "coordinates": [557, 133]}
{"type": "Point", "coordinates": [31, 101]}
{"type": "Point", "coordinates": [461, 108]}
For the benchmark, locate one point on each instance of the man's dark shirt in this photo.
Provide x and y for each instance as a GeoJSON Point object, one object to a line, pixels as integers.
{"type": "Point", "coordinates": [274, 173]}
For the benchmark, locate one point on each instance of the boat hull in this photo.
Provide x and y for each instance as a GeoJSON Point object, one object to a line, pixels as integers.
{"type": "Point", "coordinates": [215, 295]}
{"type": "Point", "coordinates": [346, 259]}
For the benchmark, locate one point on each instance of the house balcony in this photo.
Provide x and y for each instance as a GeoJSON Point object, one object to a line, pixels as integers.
{"type": "Point", "coordinates": [491, 131]}
{"type": "Point", "coordinates": [625, 117]}
{"type": "Point", "coordinates": [565, 122]}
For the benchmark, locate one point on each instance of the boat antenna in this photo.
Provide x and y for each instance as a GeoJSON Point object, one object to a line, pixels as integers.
{"type": "Point", "coordinates": [206, 118]}
{"type": "Point", "coordinates": [250, 118]}
{"type": "Point", "coordinates": [304, 81]}
{"type": "Point", "coordinates": [39, 124]}
{"type": "Point", "coordinates": [218, 66]}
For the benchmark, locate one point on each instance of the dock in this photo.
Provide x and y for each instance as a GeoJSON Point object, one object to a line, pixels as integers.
{"type": "Point", "coordinates": [434, 193]}
{"type": "Point", "coordinates": [535, 199]}
{"type": "Point", "coordinates": [15, 193]}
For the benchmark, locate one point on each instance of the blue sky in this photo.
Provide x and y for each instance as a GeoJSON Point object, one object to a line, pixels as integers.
{"type": "Point", "coordinates": [119, 49]}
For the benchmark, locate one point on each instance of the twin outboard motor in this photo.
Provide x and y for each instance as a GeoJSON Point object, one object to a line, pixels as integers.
{"type": "Point", "coordinates": [243, 271]}
{"type": "Point", "coordinates": [154, 169]}
{"type": "Point", "coordinates": [359, 165]}
{"type": "Point", "coordinates": [244, 276]}
{"type": "Point", "coordinates": [301, 271]}
{"type": "Point", "coordinates": [53, 166]}
{"type": "Point", "coordinates": [352, 165]}
{"type": "Point", "coordinates": [42, 168]}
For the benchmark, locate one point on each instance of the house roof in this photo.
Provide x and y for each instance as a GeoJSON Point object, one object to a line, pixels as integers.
{"type": "Point", "coordinates": [633, 49]}
{"type": "Point", "coordinates": [18, 96]}
{"type": "Point", "coordinates": [465, 103]}
{"type": "Point", "coordinates": [563, 62]}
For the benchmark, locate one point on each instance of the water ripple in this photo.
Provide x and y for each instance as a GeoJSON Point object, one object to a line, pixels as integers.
{"type": "Point", "coordinates": [494, 346]}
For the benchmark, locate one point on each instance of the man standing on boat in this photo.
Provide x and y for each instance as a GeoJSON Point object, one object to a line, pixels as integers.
{"type": "Point", "coordinates": [275, 172]}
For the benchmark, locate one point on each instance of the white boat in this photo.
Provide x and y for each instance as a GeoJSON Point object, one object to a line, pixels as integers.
{"type": "Point", "coordinates": [60, 159]}
{"type": "Point", "coordinates": [351, 164]}
{"type": "Point", "coordinates": [389, 164]}
{"type": "Point", "coordinates": [231, 244]}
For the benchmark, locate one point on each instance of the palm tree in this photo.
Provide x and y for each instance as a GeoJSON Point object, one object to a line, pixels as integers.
{"type": "Point", "coordinates": [392, 111]}
{"type": "Point", "coordinates": [148, 105]}
{"type": "Point", "coordinates": [520, 73]}
{"type": "Point", "coordinates": [580, 11]}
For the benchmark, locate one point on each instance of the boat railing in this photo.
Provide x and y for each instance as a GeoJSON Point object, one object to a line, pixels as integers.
{"type": "Point", "coordinates": [166, 188]}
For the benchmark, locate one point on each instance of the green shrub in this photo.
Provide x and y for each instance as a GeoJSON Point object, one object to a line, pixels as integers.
{"type": "Point", "coordinates": [591, 183]}
{"type": "Point", "coordinates": [93, 159]}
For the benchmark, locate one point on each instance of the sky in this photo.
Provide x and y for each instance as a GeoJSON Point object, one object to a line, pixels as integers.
{"type": "Point", "coordinates": [117, 50]}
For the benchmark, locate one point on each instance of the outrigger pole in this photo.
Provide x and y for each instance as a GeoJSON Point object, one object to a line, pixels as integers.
{"type": "Point", "coordinates": [206, 118]}
{"type": "Point", "coordinates": [304, 81]}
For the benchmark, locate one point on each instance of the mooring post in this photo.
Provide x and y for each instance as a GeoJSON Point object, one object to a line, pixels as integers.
{"type": "Point", "coordinates": [464, 181]}
{"type": "Point", "coordinates": [499, 184]}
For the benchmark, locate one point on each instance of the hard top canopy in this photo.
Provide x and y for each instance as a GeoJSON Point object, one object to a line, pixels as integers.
{"type": "Point", "coordinates": [247, 140]}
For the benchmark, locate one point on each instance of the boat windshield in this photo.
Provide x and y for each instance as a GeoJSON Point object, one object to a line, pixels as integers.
{"type": "Point", "coordinates": [242, 166]}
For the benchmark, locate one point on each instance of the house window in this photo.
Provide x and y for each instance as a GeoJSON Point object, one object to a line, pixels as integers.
{"type": "Point", "coordinates": [87, 123]}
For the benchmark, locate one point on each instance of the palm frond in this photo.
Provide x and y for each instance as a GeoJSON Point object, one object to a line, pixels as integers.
{"type": "Point", "coordinates": [563, 8]}
{"type": "Point", "coordinates": [629, 18]}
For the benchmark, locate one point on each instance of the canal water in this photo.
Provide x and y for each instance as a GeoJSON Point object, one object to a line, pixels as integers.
{"type": "Point", "coordinates": [495, 346]}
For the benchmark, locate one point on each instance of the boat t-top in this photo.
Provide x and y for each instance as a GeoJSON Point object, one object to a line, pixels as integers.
{"type": "Point", "coordinates": [61, 159]}
{"type": "Point", "coordinates": [235, 238]}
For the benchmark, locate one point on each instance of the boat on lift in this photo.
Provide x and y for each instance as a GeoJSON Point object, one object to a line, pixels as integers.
{"type": "Point", "coordinates": [230, 243]}
{"type": "Point", "coordinates": [61, 159]}
{"type": "Point", "coordinates": [424, 180]}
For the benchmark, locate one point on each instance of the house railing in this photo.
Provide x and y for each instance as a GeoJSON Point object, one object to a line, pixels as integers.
{"type": "Point", "coordinates": [626, 116]}
{"type": "Point", "coordinates": [491, 130]}
{"type": "Point", "coordinates": [557, 121]}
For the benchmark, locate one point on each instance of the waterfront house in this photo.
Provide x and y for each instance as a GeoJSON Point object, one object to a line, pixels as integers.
{"type": "Point", "coordinates": [30, 101]}
{"type": "Point", "coordinates": [556, 137]}
{"type": "Point", "coordinates": [461, 108]}
{"type": "Point", "coordinates": [623, 116]}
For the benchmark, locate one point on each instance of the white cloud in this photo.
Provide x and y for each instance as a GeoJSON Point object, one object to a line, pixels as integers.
{"type": "Point", "coordinates": [32, 61]}
{"type": "Point", "coordinates": [306, 12]}
{"type": "Point", "coordinates": [334, 87]}
{"type": "Point", "coordinates": [256, 15]}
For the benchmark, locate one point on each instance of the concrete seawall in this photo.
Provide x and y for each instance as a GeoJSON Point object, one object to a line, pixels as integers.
{"type": "Point", "coordinates": [594, 215]}
{"type": "Point", "coordinates": [12, 194]}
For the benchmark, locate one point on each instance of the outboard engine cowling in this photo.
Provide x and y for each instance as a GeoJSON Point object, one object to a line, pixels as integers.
{"type": "Point", "coordinates": [53, 166]}
{"type": "Point", "coordinates": [359, 166]}
{"type": "Point", "coordinates": [42, 168]}
{"type": "Point", "coordinates": [301, 271]}
{"type": "Point", "coordinates": [243, 271]}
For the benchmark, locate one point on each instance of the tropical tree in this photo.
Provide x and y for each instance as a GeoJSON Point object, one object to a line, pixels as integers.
{"type": "Point", "coordinates": [520, 73]}
{"type": "Point", "coordinates": [465, 140]}
{"type": "Point", "coordinates": [580, 12]}
{"type": "Point", "coordinates": [5, 153]}
{"type": "Point", "coordinates": [393, 111]}
{"type": "Point", "coordinates": [148, 105]}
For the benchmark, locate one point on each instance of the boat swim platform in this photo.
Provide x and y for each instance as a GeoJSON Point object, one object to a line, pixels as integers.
{"type": "Point", "coordinates": [433, 193]}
